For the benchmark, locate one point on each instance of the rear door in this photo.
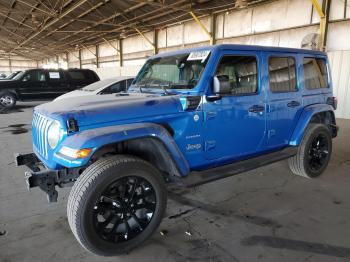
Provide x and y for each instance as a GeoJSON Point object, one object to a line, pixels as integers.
{"type": "Point", "coordinates": [283, 98]}
{"type": "Point", "coordinates": [57, 83]}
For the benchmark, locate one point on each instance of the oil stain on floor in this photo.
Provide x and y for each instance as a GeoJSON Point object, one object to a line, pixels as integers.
{"type": "Point", "coordinates": [15, 129]}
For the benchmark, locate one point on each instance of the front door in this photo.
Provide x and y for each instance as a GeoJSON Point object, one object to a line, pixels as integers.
{"type": "Point", "coordinates": [235, 124]}
{"type": "Point", "coordinates": [34, 85]}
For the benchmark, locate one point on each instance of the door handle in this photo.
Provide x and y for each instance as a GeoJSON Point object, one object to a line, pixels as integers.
{"type": "Point", "coordinates": [256, 109]}
{"type": "Point", "coordinates": [293, 104]}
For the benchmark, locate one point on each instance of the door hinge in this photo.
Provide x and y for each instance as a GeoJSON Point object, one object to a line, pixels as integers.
{"type": "Point", "coordinates": [271, 133]}
{"type": "Point", "coordinates": [210, 145]}
{"type": "Point", "coordinates": [211, 114]}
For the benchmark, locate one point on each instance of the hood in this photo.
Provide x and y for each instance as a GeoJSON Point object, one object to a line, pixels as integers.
{"type": "Point", "coordinates": [75, 93]}
{"type": "Point", "coordinates": [8, 83]}
{"type": "Point", "coordinates": [104, 109]}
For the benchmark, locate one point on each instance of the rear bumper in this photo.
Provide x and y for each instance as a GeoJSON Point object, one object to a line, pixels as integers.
{"type": "Point", "coordinates": [46, 179]}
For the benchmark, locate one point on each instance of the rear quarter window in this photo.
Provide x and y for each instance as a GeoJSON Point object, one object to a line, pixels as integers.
{"type": "Point", "coordinates": [315, 73]}
{"type": "Point", "coordinates": [91, 76]}
{"type": "Point", "coordinates": [76, 75]}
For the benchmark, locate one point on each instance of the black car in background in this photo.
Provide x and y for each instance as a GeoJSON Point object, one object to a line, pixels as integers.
{"type": "Point", "coordinates": [41, 84]}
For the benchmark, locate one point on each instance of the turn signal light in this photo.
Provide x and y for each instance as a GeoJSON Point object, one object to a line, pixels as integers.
{"type": "Point", "coordinates": [82, 153]}
{"type": "Point", "coordinates": [75, 153]}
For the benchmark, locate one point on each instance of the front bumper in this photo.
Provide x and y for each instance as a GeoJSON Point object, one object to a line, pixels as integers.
{"type": "Point", "coordinates": [46, 179]}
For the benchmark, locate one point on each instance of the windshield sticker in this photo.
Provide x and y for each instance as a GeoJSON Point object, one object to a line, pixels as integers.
{"type": "Point", "coordinates": [198, 55]}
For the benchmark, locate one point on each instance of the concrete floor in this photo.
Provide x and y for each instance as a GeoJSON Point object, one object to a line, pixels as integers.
{"type": "Point", "coordinates": [264, 215]}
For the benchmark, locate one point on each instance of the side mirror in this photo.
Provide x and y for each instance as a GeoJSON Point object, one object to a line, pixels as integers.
{"type": "Point", "coordinates": [221, 84]}
{"type": "Point", "coordinates": [213, 98]}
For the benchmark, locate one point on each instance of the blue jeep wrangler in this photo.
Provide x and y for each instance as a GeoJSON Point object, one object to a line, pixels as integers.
{"type": "Point", "coordinates": [190, 117]}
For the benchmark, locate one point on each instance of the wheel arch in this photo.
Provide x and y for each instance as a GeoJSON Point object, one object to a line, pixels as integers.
{"type": "Point", "coordinates": [11, 91]}
{"type": "Point", "coordinates": [318, 113]}
{"type": "Point", "coordinates": [150, 149]}
{"type": "Point", "coordinates": [151, 142]}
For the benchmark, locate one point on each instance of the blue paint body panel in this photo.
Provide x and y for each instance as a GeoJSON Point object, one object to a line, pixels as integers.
{"type": "Point", "coordinates": [214, 134]}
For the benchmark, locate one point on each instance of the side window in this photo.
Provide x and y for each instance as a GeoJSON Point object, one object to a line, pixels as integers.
{"type": "Point", "coordinates": [315, 73]}
{"type": "Point", "coordinates": [129, 82]}
{"type": "Point", "coordinates": [76, 75]}
{"type": "Point", "coordinates": [35, 76]}
{"type": "Point", "coordinates": [91, 76]}
{"type": "Point", "coordinates": [282, 74]}
{"type": "Point", "coordinates": [117, 87]}
{"type": "Point", "coordinates": [241, 72]}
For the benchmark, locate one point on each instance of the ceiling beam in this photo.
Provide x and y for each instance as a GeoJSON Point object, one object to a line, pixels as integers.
{"type": "Point", "coordinates": [106, 19]}
{"type": "Point", "coordinates": [93, 8]}
{"type": "Point", "coordinates": [52, 22]}
{"type": "Point", "coordinates": [35, 7]}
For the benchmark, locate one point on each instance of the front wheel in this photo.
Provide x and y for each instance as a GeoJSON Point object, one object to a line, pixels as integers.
{"type": "Point", "coordinates": [7, 100]}
{"type": "Point", "coordinates": [314, 152]}
{"type": "Point", "coordinates": [116, 204]}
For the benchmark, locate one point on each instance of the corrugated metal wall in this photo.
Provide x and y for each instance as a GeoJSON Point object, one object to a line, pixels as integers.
{"type": "Point", "coordinates": [281, 23]}
{"type": "Point", "coordinates": [340, 67]}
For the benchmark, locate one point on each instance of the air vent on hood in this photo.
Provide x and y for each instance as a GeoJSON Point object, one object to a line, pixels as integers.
{"type": "Point", "coordinates": [72, 125]}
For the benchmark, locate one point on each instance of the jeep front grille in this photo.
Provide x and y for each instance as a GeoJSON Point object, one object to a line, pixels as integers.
{"type": "Point", "coordinates": [40, 126]}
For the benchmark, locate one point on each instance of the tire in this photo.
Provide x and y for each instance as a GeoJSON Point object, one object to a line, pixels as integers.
{"type": "Point", "coordinates": [7, 100]}
{"type": "Point", "coordinates": [91, 201]}
{"type": "Point", "coordinates": [314, 152]}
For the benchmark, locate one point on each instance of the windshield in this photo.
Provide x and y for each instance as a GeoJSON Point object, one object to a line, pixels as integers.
{"type": "Point", "coordinates": [181, 71]}
{"type": "Point", "coordinates": [99, 84]}
{"type": "Point", "coordinates": [19, 75]}
{"type": "Point", "coordinates": [11, 75]}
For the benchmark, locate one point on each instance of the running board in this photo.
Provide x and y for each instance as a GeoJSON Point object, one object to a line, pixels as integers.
{"type": "Point", "coordinates": [197, 178]}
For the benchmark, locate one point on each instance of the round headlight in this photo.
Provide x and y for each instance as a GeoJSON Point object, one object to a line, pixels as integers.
{"type": "Point", "coordinates": [54, 134]}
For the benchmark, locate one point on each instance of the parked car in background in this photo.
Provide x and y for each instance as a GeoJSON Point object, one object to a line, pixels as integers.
{"type": "Point", "coordinates": [106, 86]}
{"type": "Point", "coordinates": [11, 76]}
{"type": "Point", "coordinates": [42, 84]}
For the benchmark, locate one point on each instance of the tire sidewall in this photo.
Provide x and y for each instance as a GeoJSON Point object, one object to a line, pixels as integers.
{"type": "Point", "coordinates": [92, 193]}
{"type": "Point", "coordinates": [314, 132]}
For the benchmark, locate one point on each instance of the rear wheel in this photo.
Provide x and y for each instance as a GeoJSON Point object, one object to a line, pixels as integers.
{"type": "Point", "coordinates": [7, 100]}
{"type": "Point", "coordinates": [116, 204]}
{"type": "Point", "coordinates": [314, 152]}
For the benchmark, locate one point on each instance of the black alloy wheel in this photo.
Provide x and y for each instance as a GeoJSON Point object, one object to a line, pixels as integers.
{"type": "Point", "coordinates": [124, 209]}
{"type": "Point", "coordinates": [318, 152]}
{"type": "Point", "coordinates": [314, 152]}
{"type": "Point", "coordinates": [116, 204]}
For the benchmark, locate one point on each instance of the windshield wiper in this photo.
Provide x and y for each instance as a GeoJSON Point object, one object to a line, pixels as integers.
{"type": "Point", "coordinates": [164, 86]}
{"type": "Point", "coordinates": [140, 87]}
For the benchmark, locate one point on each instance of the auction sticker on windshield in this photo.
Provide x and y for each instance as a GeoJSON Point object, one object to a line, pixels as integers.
{"type": "Point", "coordinates": [198, 55]}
